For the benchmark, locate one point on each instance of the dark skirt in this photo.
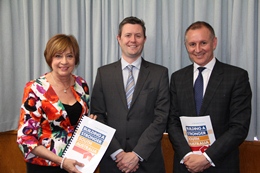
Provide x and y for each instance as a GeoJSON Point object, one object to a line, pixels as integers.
{"type": "Point", "coordinates": [33, 168]}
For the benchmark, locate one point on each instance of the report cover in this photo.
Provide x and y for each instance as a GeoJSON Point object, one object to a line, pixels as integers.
{"type": "Point", "coordinates": [89, 143]}
{"type": "Point", "coordinates": [198, 132]}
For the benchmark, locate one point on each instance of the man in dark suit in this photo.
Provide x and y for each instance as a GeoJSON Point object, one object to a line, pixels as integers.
{"type": "Point", "coordinates": [139, 119]}
{"type": "Point", "coordinates": [226, 99]}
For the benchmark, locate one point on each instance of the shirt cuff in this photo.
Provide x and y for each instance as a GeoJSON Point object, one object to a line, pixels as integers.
{"type": "Point", "coordinates": [140, 158]}
{"type": "Point", "coordinates": [113, 155]}
{"type": "Point", "coordinates": [208, 159]}
{"type": "Point", "coordinates": [184, 157]}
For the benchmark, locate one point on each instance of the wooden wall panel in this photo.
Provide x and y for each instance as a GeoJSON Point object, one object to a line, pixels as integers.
{"type": "Point", "coordinates": [11, 158]}
{"type": "Point", "coordinates": [250, 157]}
{"type": "Point", "coordinates": [167, 153]}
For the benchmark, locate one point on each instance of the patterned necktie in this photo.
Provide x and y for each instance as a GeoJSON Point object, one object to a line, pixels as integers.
{"type": "Point", "coordinates": [198, 90]}
{"type": "Point", "coordinates": [130, 86]}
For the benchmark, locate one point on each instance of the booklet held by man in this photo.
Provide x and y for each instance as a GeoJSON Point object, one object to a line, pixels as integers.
{"type": "Point", "coordinates": [89, 143]}
{"type": "Point", "coordinates": [198, 132]}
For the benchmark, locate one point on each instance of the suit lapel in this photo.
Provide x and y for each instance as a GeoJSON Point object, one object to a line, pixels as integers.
{"type": "Point", "coordinates": [143, 74]}
{"type": "Point", "coordinates": [120, 82]}
{"type": "Point", "coordinates": [214, 81]}
{"type": "Point", "coordinates": [188, 89]}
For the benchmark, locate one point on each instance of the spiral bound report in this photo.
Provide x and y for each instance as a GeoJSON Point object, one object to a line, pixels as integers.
{"type": "Point", "coordinates": [89, 143]}
{"type": "Point", "coordinates": [74, 134]}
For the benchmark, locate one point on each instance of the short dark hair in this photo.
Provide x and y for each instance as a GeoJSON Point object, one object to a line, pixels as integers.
{"type": "Point", "coordinates": [59, 43]}
{"type": "Point", "coordinates": [198, 25]}
{"type": "Point", "coordinates": [131, 20]}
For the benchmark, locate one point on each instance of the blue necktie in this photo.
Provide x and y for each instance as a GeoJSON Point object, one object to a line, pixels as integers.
{"type": "Point", "coordinates": [198, 90]}
{"type": "Point", "coordinates": [130, 86]}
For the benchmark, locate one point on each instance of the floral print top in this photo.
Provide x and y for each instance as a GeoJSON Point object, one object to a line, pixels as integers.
{"type": "Point", "coordinates": [44, 120]}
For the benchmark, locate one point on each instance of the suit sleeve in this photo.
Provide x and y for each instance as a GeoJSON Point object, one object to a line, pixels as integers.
{"type": "Point", "coordinates": [239, 115]}
{"type": "Point", "coordinates": [151, 137]}
{"type": "Point", "coordinates": [98, 107]}
{"type": "Point", "coordinates": [174, 128]}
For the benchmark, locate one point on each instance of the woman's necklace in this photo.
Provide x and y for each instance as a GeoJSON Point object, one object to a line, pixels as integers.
{"type": "Point", "coordinates": [65, 88]}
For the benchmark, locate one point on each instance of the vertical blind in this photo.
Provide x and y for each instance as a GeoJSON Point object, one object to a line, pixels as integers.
{"type": "Point", "coordinates": [26, 26]}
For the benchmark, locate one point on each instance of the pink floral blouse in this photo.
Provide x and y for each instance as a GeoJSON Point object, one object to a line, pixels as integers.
{"type": "Point", "coordinates": [44, 120]}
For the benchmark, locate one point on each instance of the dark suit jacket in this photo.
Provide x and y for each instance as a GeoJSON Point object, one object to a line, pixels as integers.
{"type": "Point", "coordinates": [141, 127]}
{"type": "Point", "coordinates": [227, 100]}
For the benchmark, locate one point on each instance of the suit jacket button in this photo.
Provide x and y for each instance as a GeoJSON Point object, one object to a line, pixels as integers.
{"type": "Point", "coordinates": [127, 138]}
{"type": "Point", "coordinates": [127, 119]}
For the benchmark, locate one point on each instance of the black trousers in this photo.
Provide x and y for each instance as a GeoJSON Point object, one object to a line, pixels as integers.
{"type": "Point", "coordinates": [33, 168]}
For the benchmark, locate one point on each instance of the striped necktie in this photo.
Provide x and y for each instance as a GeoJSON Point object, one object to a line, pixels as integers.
{"type": "Point", "coordinates": [198, 90]}
{"type": "Point", "coordinates": [130, 86]}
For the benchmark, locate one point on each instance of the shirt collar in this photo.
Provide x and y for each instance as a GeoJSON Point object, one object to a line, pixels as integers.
{"type": "Point", "coordinates": [208, 66]}
{"type": "Point", "coordinates": [136, 63]}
